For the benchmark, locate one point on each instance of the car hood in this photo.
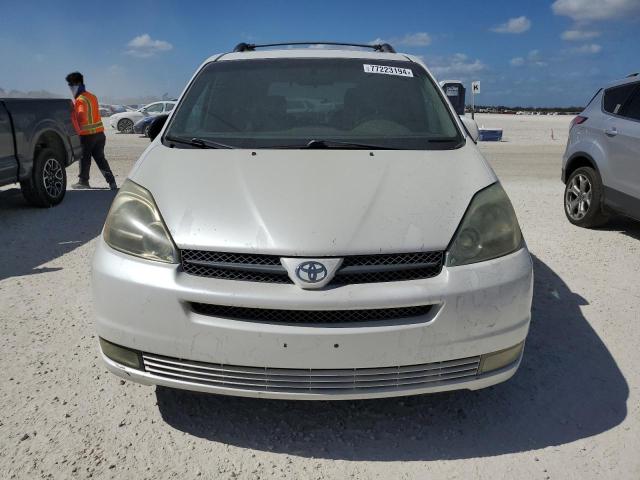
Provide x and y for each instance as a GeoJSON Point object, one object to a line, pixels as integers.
{"type": "Point", "coordinates": [312, 202]}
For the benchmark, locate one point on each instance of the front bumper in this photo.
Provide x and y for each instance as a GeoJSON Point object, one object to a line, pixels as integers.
{"type": "Point", "coordinates": [478, 309]}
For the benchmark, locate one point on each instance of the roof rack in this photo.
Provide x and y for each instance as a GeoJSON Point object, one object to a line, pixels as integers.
{"type": "Point", "coordinates": [633, 75]}
{"type": "Point", "coordinates": [250, 47]}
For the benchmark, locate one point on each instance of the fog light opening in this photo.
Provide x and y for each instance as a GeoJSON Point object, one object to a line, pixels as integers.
{"type": "Point", "coordinates": [503, 358]}
{"type": "Point", "coordinates": [121, 355]}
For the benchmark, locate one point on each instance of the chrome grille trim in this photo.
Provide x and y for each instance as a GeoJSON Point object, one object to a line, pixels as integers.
{"type": "Point", "coordinates": [309, 317]}
{"type": "Point", "coordinates": [288, 380]}
{"type": "Point", "coordinates": [355, 269]}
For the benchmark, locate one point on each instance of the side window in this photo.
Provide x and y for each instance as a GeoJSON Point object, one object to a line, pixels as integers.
{"type": "Point", "coordinates": [169, 106]}
{"type": "Point", "coordinates": [614, 98]}
{"type": "Point", "coordinates": [632, 108]}
{"type": "Point", "coordinates": [155, 108]}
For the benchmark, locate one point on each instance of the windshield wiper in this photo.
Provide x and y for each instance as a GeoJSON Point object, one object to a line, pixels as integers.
{"type": "Point", "coordinates": [313, 144]}
{"type": "Point", "coordinates": [319, 144]}
{"type": "Point", "coordinates": [198, 142]}
{"type": "Point", "coordinates": [338, 144]}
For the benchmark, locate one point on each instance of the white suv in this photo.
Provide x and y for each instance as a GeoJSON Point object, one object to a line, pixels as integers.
{"type": "Point", "coordinates": [601, 165]}
{"type": "Point", "coordinates": [359, 247]}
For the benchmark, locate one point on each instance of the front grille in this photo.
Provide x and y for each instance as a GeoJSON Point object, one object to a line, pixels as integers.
{"type": "Point", "coordinates": [234, 266]}
{"type": "Point", "coordinates": [305, 380]}
{"type": "Point", "coordinates": [309, 317]}
{"type": "Point", "coordinates": [354, 269]}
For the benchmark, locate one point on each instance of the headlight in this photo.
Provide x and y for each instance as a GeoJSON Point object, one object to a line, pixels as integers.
{"type": "Point", "coordinates": [134, 226]}
{"type": "Point", "coordinates": [489, 229]}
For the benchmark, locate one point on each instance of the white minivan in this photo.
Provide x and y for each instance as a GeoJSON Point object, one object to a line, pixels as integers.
{"type": "Point", "coordinates": [360, 247]}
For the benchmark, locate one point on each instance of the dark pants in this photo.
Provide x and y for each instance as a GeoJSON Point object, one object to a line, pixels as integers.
{"type": "Point", "coordinates": [93, 146]}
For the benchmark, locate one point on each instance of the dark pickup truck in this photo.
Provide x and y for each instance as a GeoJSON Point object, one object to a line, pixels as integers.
{"type": "Point", "coordinates": [37, 144]}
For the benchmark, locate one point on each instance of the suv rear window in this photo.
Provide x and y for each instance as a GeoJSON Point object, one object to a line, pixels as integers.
{"type": "Point", "coordinates": [614, 98]}
{"type": "Point", "coordinates": [289, 102]}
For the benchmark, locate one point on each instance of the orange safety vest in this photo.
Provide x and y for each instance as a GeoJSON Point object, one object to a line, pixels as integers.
{"type": "Point", "coordinates": [87, 120]}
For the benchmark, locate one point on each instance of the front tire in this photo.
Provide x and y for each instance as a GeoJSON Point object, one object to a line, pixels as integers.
{"type": "Point", "coordinates": [125, 126]}
{"type": "Point", "coordinates": [583, 196]}
{"type": "Point", "coordinates": [47, 184]}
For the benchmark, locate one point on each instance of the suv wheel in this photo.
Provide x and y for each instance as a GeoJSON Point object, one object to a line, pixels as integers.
{"type": "Point", "coordinates": [583, 198]}
{"type": "Point", "coordinates": [48, 182]}
{"type": "Point", "coordinates": [125, 126]}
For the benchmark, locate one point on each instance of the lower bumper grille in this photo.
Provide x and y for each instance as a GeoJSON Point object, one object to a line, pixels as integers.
{"type": "Point", "coordinates": [309, 317]}
{"type": "Point", "coordinates": [323, 381]}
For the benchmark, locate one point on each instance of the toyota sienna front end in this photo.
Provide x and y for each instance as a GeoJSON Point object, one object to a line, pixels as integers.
{"type": "Point", "coordinates": [312, 224]}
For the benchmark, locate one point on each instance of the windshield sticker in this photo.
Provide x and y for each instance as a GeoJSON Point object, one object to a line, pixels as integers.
{"type": "Point", "coordinates": [385, 70]}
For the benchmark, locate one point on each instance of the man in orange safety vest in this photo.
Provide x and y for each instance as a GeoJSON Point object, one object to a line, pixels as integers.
{"type": "Point", "coordinates": [88, 124]}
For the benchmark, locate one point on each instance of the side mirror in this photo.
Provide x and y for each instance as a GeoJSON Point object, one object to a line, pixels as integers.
{"type": "Point", "coordinates": [472, 128]}
{"type": "Point", "coordinates": [156, 126]}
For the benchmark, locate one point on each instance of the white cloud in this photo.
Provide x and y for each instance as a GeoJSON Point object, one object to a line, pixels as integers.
{"type": "Point", "coordinates": [116, 69]}
{"type": "Point", "coordinates": [593, 10]}
{"type": "Point", "coordinates": [418, 39]}
{"type": "Point", "coordinates": [590, 49]}
{"type": "Point", "coordinates": [579, 35]}
{"type": "Point", "coordinates": [143, 46]}
{"type": "Point", "coordinates": [459, 64]}
{"type": "Point", "coordinates": [535, 58]}
{"type": "Point", "coordinates": [513, 25]}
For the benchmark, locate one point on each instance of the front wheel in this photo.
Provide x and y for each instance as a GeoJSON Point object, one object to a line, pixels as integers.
{"type": "Point", "coordinates": [125, 126]}
{"type": "Point", "coordinates": [583, 198]}
{"type": "Point", "coordinates": [47, 184]}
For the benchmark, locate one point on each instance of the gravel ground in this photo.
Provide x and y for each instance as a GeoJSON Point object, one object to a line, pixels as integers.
{"type": "Point", "coordinates": [572, 410]}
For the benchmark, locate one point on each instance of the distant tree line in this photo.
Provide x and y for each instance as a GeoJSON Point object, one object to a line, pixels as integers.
{"type": "Point", "coordinates": [140, 100]}
{"type": "Point", "coordinates": [506, 109]}
{"type": "Point", "coordinates": [30, 94]}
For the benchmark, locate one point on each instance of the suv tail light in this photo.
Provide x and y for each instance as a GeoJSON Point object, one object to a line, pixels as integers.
{"type": "Point", "coordinates": [579, 120]}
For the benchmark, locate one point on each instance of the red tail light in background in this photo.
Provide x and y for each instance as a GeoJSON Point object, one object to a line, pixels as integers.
{"type": "Point", "coordinates": [579, 120]}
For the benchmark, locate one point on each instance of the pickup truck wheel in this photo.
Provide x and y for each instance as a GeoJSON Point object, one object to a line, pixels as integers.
{"type": "Point", "coordinates": [48, 182]}
{"type": "Point", "coordinates": [125, 126]}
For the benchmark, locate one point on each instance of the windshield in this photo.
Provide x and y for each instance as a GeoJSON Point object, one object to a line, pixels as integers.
{"type": "Point", "coordinates": [280, 103]}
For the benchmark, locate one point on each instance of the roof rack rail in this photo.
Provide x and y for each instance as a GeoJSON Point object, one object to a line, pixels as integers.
{"type": "Point", "coordinates": [633, 75]}
{"type": "Point", "coordinates": [250, 47]}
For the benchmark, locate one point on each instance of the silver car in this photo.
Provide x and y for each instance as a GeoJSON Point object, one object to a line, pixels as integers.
{"type": "Point", "coordinates": [362, 250]}
{"type": "Point", "coordinates": [601, 165]}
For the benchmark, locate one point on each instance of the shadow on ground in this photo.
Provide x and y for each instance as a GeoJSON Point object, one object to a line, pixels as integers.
{"type": "Point", "coordinates": [31, 237]}
{"type": "Point", "coordinates": [568, 387]}
{"type": "Point", "coordinates": [624, 225]}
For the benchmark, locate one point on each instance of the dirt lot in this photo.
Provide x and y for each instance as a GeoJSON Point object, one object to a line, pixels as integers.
{"type": "Point", "coordinates": [572, 411]}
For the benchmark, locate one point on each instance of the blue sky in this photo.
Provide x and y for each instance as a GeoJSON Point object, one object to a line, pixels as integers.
{"type": "Point", "coordinates": [554, 52]}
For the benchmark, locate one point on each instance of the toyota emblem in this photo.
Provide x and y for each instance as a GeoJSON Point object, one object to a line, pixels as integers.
{"type": "Point", "coordinates": [311, 272]}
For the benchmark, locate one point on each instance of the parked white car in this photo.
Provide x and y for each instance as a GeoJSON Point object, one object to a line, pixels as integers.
{"type": "Point", "coordinates": [601, 168]}
{"type": "Point", "coordinates": [123, 122]}
{"type": "Point", "coordinates": [370, 252]}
